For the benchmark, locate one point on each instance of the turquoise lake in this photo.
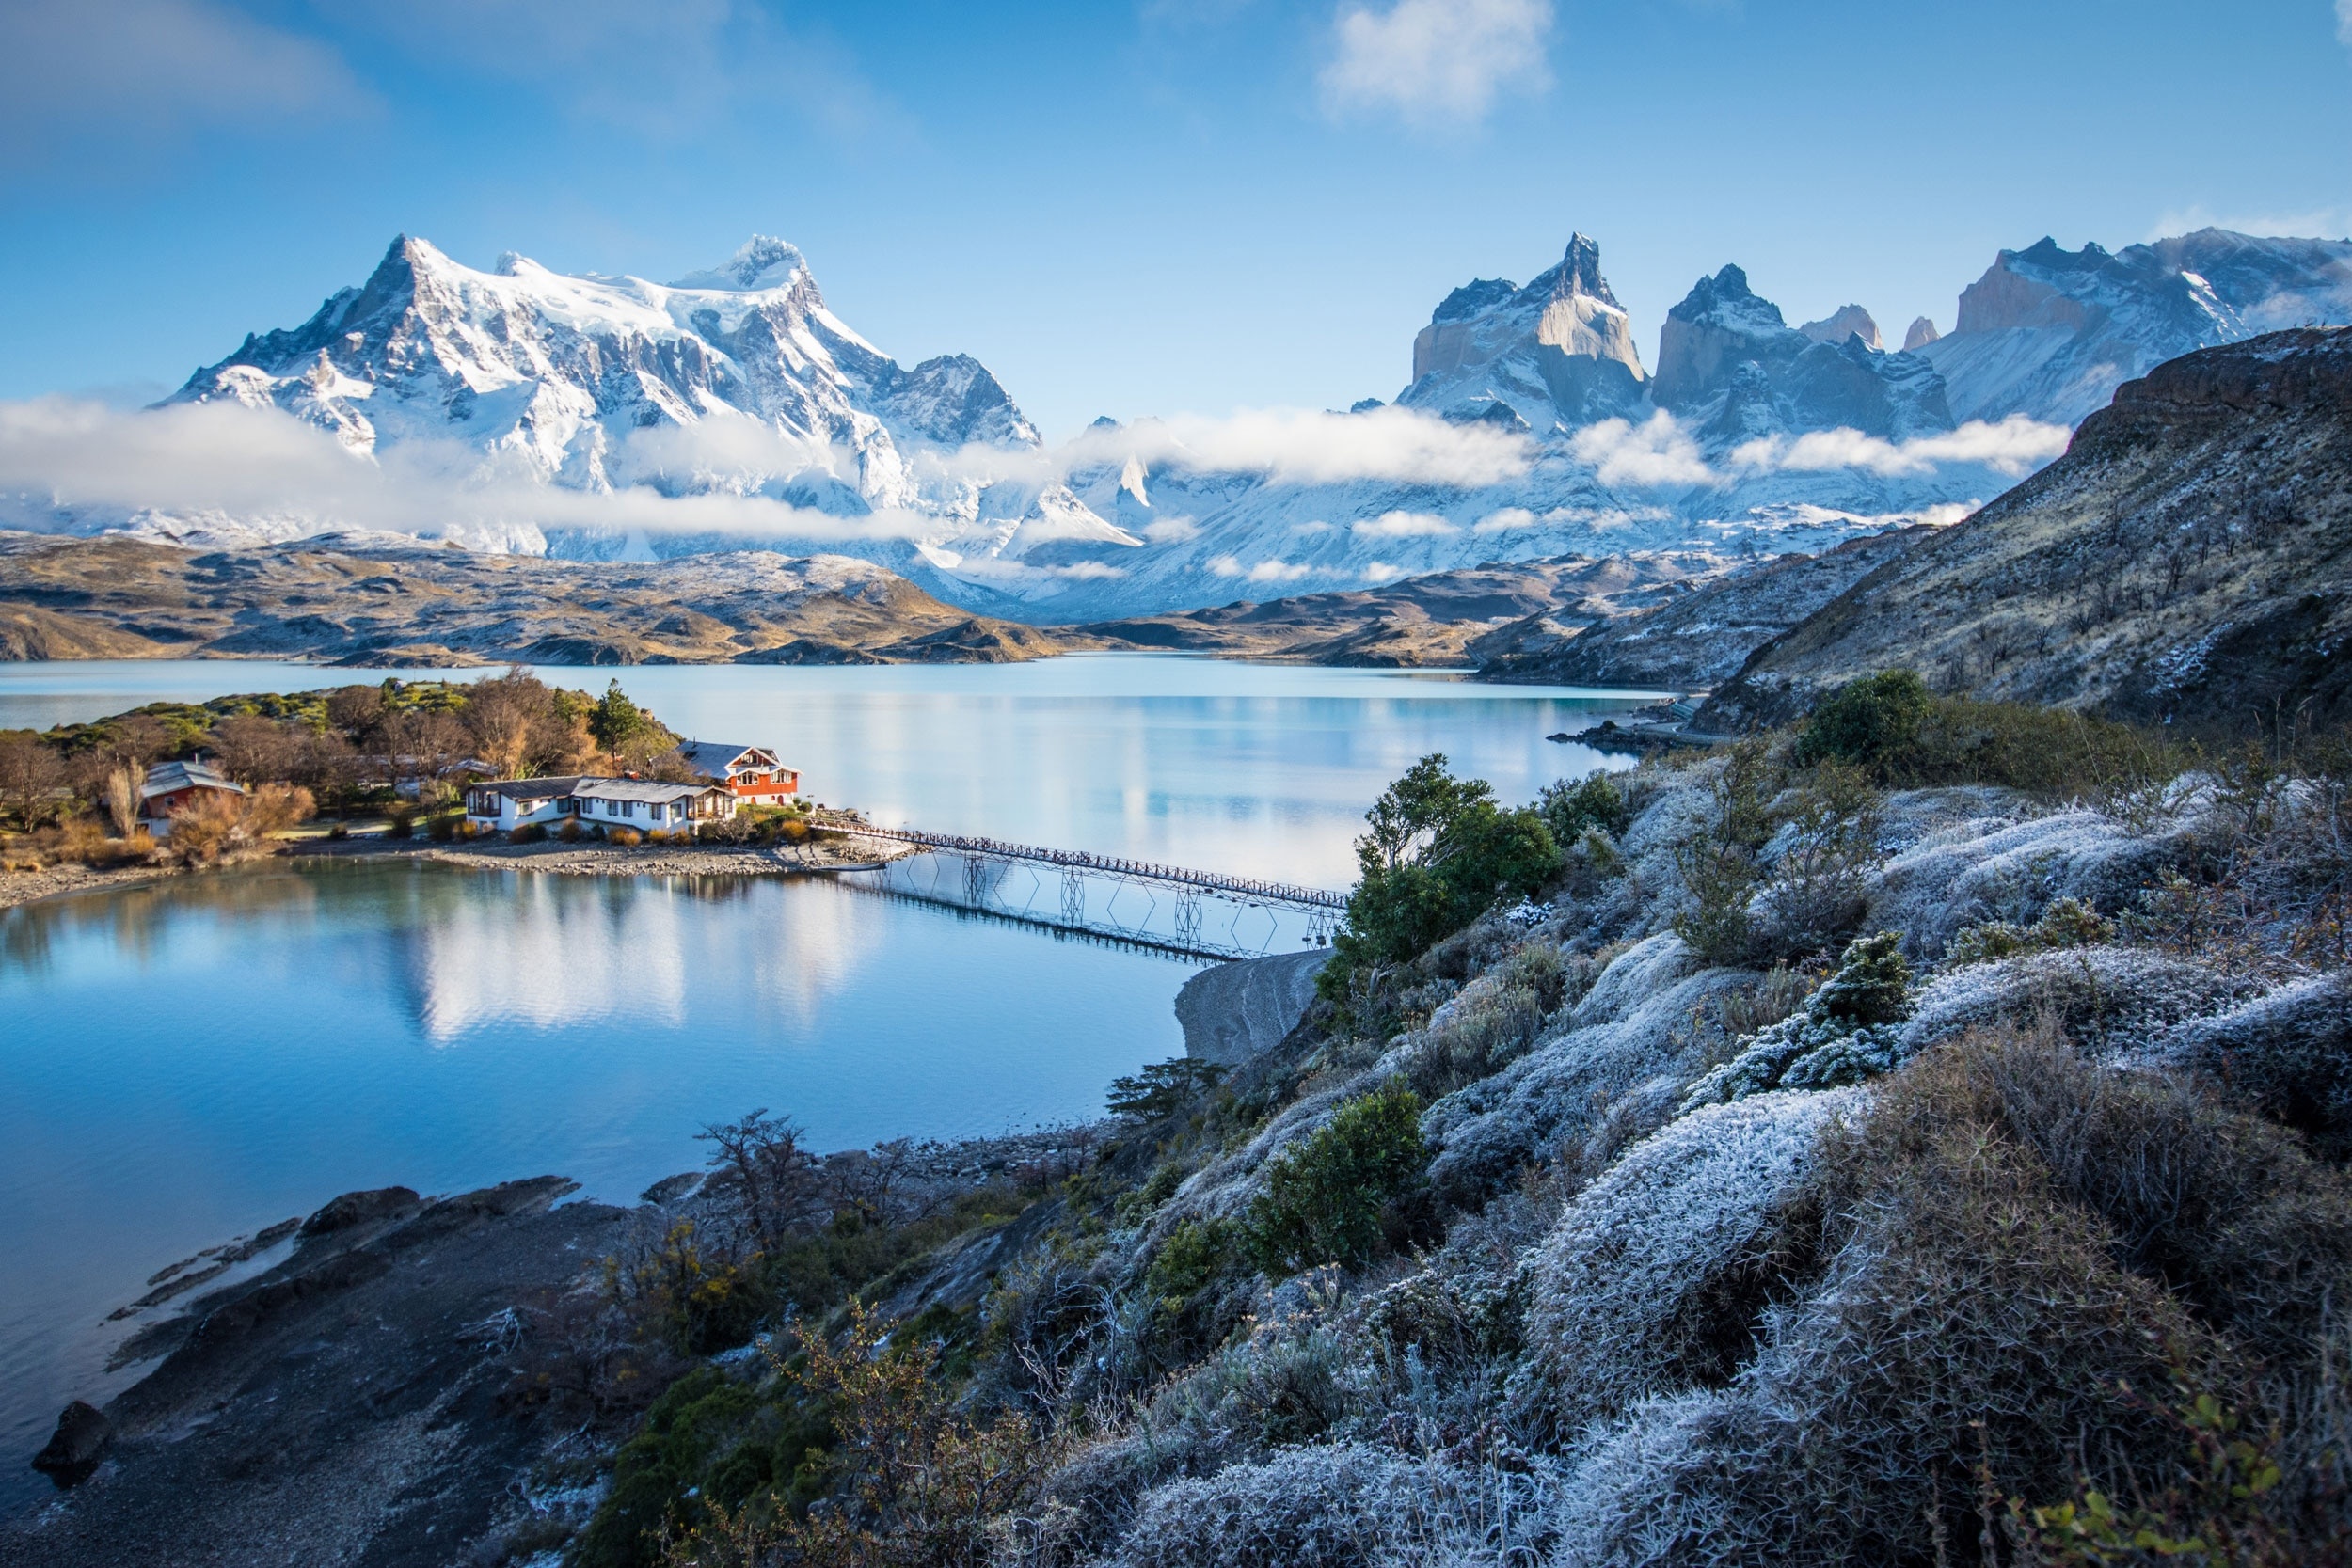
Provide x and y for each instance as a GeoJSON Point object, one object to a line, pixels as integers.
{"type": "Point", "coordinates": [198, 1058]}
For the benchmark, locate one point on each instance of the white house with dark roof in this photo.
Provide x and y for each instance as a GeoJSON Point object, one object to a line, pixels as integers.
{"type": "Point", "coordinates": [753, 774]}
{"type": "Point", "coordinates": [505, 804]}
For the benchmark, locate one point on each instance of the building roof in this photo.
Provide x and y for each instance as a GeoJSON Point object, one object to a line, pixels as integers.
{"type": "Point", "coordinates": [638, 789]}
{"type": "Point", "coordinates": [715, 758]}
{"type": "Point", "coordinates": [170, 778]}
{"type": "Point", "coordinates": [530, 789]}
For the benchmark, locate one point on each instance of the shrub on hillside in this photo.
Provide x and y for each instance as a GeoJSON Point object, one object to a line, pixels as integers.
{"type": "Point", "coordinates": [1873, 724]}
{"type": "Point", "coordinates": [1569, 810]}
{"type": "Point", "coordinates": [1657, 1276]}
{"type": "Point", "coordinates": [529, 832]}
{"type": "Point", "coordinates": [1892, 726]}
{"type": "Point", "coordinates": [627, 838]}
{"type": "Point", "coordinates": [1439, 853]}
{"type": "Point", "coordinates": [1326, 1198]}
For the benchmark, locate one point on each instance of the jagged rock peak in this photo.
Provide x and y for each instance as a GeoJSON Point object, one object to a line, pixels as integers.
{"type": "Point", "coordinates": [1579, 272]}
{"type": "Point", "coordinates": [1922, 333]}
{"type": "Point", "coordinates": [1727, 296]}
{"type": "Point", "coordinates": [1847, 321]}
{"type": "Point", "coordinates": [1478, 294]}
{"type": "Point", "coordinates": [762, 262]}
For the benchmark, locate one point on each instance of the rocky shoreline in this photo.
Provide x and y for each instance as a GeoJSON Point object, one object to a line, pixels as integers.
{"type": "Point", "coordinates": [423, 1380]}
{"type": "Point", "coordinates": [811, 857]}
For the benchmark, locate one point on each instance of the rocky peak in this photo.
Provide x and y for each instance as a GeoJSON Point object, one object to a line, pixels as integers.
{"type": "Point", "coordinates": [1922, 333]}
{"type": "Point", "coordinates": [1476, 297]}
{"type": "Point", "coordinates": [762, 262]}
{"type": "Point", "coordinates": [1847, 321]}
{"type": "Point", "coordinates": [1579, 273]}
{"type": "Point", "coordinates": [1558, 351]}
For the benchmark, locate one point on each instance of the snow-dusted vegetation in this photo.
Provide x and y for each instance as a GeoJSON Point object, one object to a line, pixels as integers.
{"type": "Point", "coordinates": [1799, 1153]}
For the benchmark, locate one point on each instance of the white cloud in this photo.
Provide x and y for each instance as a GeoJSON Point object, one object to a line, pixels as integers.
{"type": "Point", "coordinates": [1404, 525]}
{"type": "Point", "coordinates": [1512, 519]}
{"type": "Point", "coordinates": [1657, 451]}
{"type": "Point", "coordinates": [1299, 447]}
{"type": "Point", "coordinates": [1437, 62]}
{"type": "Point", "coordinates": [2343, 23]}
{"type": "Point", "coordinates": [1263, 571]}
{"type": "Point", "coordinates": [129, 75]}
{"type": "Point", "coordinates": [1380, 572]}
{"type": "Point", "coordinates": [264, 467]}
{"type": "Point", "coordinates": [1171, 531]}
{"type": "Point", "coordinates": [2015, 447]}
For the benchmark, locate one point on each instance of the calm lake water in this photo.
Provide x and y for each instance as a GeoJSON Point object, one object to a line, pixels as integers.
{"type": "Point", "coordinates": [200, 1058]}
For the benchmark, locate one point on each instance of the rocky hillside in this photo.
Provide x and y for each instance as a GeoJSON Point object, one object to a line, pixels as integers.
{"type": "Point", "coordinates": [2186, 563]}
{"type": "Point", "coordinates": [1692, 640]}
{"type": "Point", "coordinates": [369, 604]}
{"type": "Point", "coordinates": [1440, 619]}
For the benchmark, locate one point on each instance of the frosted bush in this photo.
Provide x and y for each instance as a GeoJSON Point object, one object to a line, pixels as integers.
{"type": "Point", "coordinates": [1339, 1504]}
{"type": "Point", "coordinates": [1642, 1492]}
{"type": "Point", "coordinates": [2013, 872]}
{"type": "Point", "coordinates": [2098, 995]}
{"type": "Point", "coordinates": [1568, 1086]}
{"type": "Point", "coordinates": [1653, 1278]}
{"type": "Point", "coordinates": [2286, 1053]}
{"type": "Point", "coordinates": [1845, 1032]}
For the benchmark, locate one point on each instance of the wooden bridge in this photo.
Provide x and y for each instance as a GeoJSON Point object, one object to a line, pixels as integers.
{"type": "Point", "coordinates": [1187, 929]}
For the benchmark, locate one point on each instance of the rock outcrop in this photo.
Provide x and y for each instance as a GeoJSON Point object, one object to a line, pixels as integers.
{"type": "Point", "coordinates": [1559, 351]}
{"type": "Point", "coordinates": [1731, 365]}
{"type": "Point", "coordinates": [2189, 562]}
{"type": "Point", "coordinates": [1922, 333]}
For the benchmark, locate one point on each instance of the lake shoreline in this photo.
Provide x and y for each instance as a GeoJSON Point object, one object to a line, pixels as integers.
{"type": "Point", "coordinates": [553, 857]}
{"type": "Point", "coordinates": [477, 1298]}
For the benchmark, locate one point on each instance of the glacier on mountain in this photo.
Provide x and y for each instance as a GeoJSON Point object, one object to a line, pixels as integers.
{"type": "Point", "coordinates": [612, 417]}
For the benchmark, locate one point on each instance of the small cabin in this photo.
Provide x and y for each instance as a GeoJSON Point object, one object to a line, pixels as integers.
{"type": "Point", "coordinates": [173, 786]}
{"type": "Point", "coordinates": [753, 774]}
{"type": "Point", "coordinates": [505, 804]}
{"type": "Point", "coordinates": [654, 807]}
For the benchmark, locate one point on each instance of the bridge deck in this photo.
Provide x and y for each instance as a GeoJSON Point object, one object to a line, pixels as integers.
{"type": "Point", "coordinates": [1248, 889]}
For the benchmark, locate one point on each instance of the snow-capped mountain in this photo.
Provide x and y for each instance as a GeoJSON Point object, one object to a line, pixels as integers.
{"type": "Point", "coordinates": [560, 372]}
{"type": "Point", "coordinates": [2051, 333]}
{"type": "Point", "coordinates": [1556, 353]}
{"type": "Point", "coordinates": [604, 418]}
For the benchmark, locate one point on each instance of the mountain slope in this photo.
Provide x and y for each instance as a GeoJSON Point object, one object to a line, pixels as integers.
{"type": "Point", "coordinates": [2188, 563]}
{"type": "Point", "coordinates": [126, 598]}
{"type": "Point", "coordinates": [1695, 639]}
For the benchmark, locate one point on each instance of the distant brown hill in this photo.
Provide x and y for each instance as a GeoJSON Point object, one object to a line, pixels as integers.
{"type": "Point", "coordinates": [128, 599]}
{"type": "Point", "coordinates": [2186, 563]}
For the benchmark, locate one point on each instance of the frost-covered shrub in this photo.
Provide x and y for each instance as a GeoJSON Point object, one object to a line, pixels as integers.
{"type": "Point", "coordinates": [2097, 995]}
{"type": "Point", "coordinates": [2286, 1053]}
{"type": "Point", "coordinates": [1631, 1046]}
{"type": "Point", "coordinates": [1655, 1276]}
{"type": "Point", "coordinates": [1491, 1022]}
{"type": "Point", "coordinates": [2013, 872]}
{"type": "Point", "coordinates": [1964, 1286]}
{"type": "Point", "coordinates": [1341, 1505]}
{"type": "Point", "coordinates": [1845, 1032]}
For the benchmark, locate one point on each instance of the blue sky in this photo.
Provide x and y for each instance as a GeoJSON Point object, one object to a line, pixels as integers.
{"type": "Point", "coordinates": [1124, 208]}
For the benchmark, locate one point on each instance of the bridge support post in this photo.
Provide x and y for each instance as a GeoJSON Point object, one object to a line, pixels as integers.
{"type": "Point", "coordinates": [1073, 896]}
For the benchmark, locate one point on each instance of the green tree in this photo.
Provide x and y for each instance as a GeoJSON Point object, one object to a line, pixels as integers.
{"type": "Point", "coordinates": [1439, 853]}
